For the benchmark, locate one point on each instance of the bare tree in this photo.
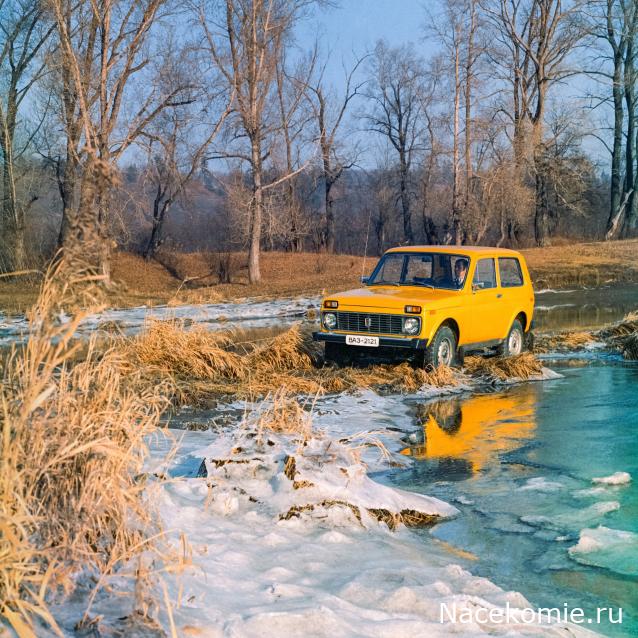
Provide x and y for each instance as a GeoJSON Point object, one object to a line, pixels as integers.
{"type": "Point", "coordinates": [395, 93]}
{"type": "Point", "coordinates": [613, 25]}
{"type": "Point", "coordinates": [173, 161]}
{"type": "Point", "coordinates": [456, 29]}
{"type": "Point", "coordinates": [104, 48]}
{"type": "Point", "coordinates": [24, 30]}
{"type": "Point", "coordinates": [293, 120]}
{"type": "Point", "coordinates": [246, 45]}
{"type": "Point", "coordinates": [329, 112]}
{"type": "Point", "coordinates": [539, 36]}
{"type": "Point", "coordinates": [177, 141]}
{"type": "Point", "coordinates": [426, 182]}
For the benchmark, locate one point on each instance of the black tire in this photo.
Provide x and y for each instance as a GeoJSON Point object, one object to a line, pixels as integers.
{"type": "Point", "coordinates": [442, 348]}
{"type": "Point", "coordinates": [529, 341]}
{"type": "Point", "coordinates": [514, 343]}
{"type": "Point", "coordinates": [337, 353]}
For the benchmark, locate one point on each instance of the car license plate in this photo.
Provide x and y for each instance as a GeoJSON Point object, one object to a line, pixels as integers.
{"type": "Point", "coordinates": [360, 340]}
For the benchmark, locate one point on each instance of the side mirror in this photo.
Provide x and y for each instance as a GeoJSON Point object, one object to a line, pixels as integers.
{"type": "Point", "coordinates": [365, 280]}
{"type": "Point", "coordinates": [476, 286]}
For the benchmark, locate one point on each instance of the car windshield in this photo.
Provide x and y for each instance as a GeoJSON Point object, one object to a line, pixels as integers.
{"type": "Point", "coordinates": [429, 270]}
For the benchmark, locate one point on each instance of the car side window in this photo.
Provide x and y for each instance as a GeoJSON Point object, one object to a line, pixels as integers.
{"type": "Point", "coordinates": [510, 271]}
{"type": "Point", "coordinates": [485, 274]}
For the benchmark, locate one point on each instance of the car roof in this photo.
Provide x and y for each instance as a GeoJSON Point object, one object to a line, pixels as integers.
{"type": "Point", "coordinates": [454, 250]}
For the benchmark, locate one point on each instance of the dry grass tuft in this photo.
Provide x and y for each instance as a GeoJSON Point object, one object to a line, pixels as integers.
{"type": "Point", "coordinates": [73, 443]}
{"type": "Point", "coordinates": [565, 341]}
{"type": "Point", "coordinates": [402, 377]}
{"type": "Point", "coordinates": [409, 518]}
{"type": "Point", "coordinates": [290, 350]}
{"type": "Point", "coordinates": [296, 510]}
{"type": "Point", "coordinates": [503, 368]}
{"type": "Point", "coordinates": [630, 347]}
{"type": "Point", "coordinates": [193, 297]}
{"type": "Point", "coordinates": [287, 416]}
{"type": "Point", "coordinates": [623, 336]}
{"type": "Point", "coordinates": [202, 365]}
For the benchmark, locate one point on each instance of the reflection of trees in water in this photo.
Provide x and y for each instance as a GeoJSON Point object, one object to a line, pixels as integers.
{"type": "Point", "coordinates": [584, 307]}
{"type": "Point", "coordinates": [447, 414]}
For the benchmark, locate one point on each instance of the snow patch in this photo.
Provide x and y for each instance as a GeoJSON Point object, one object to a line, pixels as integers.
{"type": "Point", "coordinates": [618, 478]}
{"type": "Point", "coordinates": [612, 549]}
{"type": "Point", "coordinates": [316, 478]}
{"type": "Point", "coordinates": [573, 519]}
{"type": "Point", "coordinates": [541, 484]}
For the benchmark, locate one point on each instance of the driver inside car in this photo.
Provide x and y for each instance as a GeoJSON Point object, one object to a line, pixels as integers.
{"type": "Point", "coordinates": [460, 272]}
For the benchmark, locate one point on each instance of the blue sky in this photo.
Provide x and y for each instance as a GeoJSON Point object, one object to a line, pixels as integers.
{"type": "Point", "coordinates": [352, 28]}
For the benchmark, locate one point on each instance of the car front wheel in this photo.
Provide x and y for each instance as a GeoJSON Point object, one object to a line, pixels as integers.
{"type": "Point", "coordinates": [337, 353]}
{"type": "Point", "coordinates": [442, 349]}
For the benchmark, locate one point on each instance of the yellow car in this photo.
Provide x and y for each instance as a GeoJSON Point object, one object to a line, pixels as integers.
{"type": "Point", "coordinates": [438, 302]}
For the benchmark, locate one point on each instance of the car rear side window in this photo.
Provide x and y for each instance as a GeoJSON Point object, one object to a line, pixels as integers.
{"type": "Point", "coordinates": [510, 271]}
{"type": "Point", "coordinates": [485, 274]}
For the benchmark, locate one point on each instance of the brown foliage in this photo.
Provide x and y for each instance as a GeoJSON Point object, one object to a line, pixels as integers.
{"type": "Point", "coordinates": [73, 443]}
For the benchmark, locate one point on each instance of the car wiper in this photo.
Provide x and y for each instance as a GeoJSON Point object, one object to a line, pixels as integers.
{"type": "Point", "coordinates": [383, 282]}
{"type": "Point", "coordinates": [419, 283]}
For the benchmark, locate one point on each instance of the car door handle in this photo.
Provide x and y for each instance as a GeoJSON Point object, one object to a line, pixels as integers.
{"type": "Point", "coordinates": [500, 294]}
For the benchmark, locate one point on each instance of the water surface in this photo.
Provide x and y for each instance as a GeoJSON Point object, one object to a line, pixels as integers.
{"type": "Point", "coordinates": [584, 308]}
{"type": "Point", "coordinates": [520, 465]}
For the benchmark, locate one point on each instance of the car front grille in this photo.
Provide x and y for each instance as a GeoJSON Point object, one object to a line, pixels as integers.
{"type": "Point", "coordinates": [370, 323]}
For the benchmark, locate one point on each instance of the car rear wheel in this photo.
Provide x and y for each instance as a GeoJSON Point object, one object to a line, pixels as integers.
{"type": "Point", "coordinates": [442, 349]}
{"type": "Point", "coordinates": [514, 343]}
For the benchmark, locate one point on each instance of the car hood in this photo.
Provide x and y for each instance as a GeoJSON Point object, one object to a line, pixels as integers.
{"type": "Point", "coordinates": [394, 297]}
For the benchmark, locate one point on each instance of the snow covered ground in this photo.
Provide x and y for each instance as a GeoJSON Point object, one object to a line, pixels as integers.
{"type": "Point", "coordinates": [248, 313]}
{"type": "Point", "coordinates": [308, 547]}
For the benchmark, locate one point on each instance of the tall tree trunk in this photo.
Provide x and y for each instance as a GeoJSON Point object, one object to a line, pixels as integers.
{"type": "Point", "coordinates": [12, 219]}
{"type": "Point", "coordinates": [67, 178]}
{"type": "Point", "coordinates": [256, 212]}
{"type": "Point", "coordinates": [630, 100]}
{"type": "Point", "coordinates": [616, 152]}
{"type": "Point", "coordinates": [13, 243]}
{"type": "Point", "coordinates": [329, 225]}
{"type": "Point", "coordinates": [631, 225]}
{"type": "Point", "coordinates": [405, 199]}
{"type": "Point", "coordinates": [295, 243]}
{"type": "Point", "coordinates": [541, 213]}
{"type": "Point", "coordinates": [161, 207]}
{"type": "Point", "coordinates": [468, 108]}
{"type": "Point", "coordinates": [456, 213]}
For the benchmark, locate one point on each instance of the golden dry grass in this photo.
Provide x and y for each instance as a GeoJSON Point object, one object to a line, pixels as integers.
{"type": "Point", "coordinates": [623, 336]}
{"type": "Point", "coordinates": [522, 366]}
{"type": "Point", "coordinates": [202, 365]}
{"type": "Point", "coordinates": [73, 443]}
{"type": "Point", "coordinates": [563, 341]}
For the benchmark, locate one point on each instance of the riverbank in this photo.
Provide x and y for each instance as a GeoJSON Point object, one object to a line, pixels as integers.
{"type": "Point", "coordinates": [187, 279]}
{"type": "Point", "coordinates": [259, 484]}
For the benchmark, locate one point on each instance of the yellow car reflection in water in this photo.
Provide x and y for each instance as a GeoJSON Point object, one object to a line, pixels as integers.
{"type": "Point", "coordinates": [475, 429]}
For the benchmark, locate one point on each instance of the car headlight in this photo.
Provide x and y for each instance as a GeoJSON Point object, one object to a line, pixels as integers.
{"type": "Point", "coordinates": [330, 320]}
{"type": "Point", "coordinates": [411, 325]}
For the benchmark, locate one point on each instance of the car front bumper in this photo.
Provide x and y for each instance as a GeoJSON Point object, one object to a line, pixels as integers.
{"type": "Point", "coordinates": [392, 342]}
